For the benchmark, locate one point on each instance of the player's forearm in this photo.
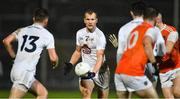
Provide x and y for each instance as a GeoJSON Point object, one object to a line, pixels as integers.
{"type": "Point", "coordinates": [75, 57]}
{"type": "Point", "coordinates": [150, 55]}
{"type": "Point", "coordinates": [98, 64]}
{"type": "Point", "coordinates": [10, 50]}
{"type": "Point", "coordinates": [149, 50]}
{"type": "Point", "coordinates": [55, 62]}
{"type": "Point", "coordinates": [169, 47]}
{"type": "Point", "coordinates": [7, 42]}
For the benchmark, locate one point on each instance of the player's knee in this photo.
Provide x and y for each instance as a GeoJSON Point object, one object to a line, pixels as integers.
{"type": "Point", "coordinates": [122, 94]}
{"type": "Point", "coordinates": [86, 93]}
{"type": "Point", "coordinates": [43, 93]}
{"type": "Point", "coordinates": [176, 92]}
{"type": "Point", "coordinates": [20, 87]}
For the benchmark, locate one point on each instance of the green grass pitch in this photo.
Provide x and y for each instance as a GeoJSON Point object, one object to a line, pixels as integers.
{"type": "Point", "coordinates": [58, 94]}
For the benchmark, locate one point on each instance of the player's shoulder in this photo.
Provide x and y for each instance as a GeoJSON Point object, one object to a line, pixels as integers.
{"type": "Point", "coordinates": [156, 29]}
{"type": "Point", "coordinates": [98, 31]}
{"type": "Point", "coordinates": [126, 25]}
{"type": "Point", "coordinates": [19, 30]}
{"type": "Point", "coordinates": [131, 23]}
{"type": "Point", "coordinates": [170, 28]}
{"type": "Point", "coordinates": [82, 30]}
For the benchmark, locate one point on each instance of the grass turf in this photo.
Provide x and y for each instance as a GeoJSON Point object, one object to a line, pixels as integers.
{"type": "Point", "coordinates": [57, 94]}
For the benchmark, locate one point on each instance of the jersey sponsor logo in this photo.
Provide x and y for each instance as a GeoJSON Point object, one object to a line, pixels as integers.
{"type": "Point", "coordinates": [86, 49]}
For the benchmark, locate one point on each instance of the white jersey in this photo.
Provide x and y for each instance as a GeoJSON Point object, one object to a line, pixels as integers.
{"type": "Point", "coordinates": [31, 41]}
{"type": "Point", "coordinates": [159, 47]}
{"type": "Point", "coordinates": [155, 34]}
{"type": "Point", "coordinates": [90, 43]}
{"type": "Point", "coordinates": [124, 33]}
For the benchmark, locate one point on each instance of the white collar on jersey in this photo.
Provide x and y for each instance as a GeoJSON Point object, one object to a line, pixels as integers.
{"type": "Point", "coordinates": [37, 25]}
{"type": "Point", "coordinates": [138, 19]}
{"type": "Point", "coordinates": [89, 31]}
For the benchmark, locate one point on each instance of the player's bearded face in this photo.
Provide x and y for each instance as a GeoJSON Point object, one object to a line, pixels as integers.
{"type": "Point", "coordinates": [158, 20]}
{"type": "Point", "coordinates": [90, 21]}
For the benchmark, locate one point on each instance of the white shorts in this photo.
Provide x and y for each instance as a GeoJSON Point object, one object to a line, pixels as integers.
{"type": "Point", "coordinates": [22, 77]}
{"type": "Point", "coordinates": [131, 83]}
{"type": "Point", "coordinates": [166, 78]}
{"type": "Point", "coordinates": [102, 78]}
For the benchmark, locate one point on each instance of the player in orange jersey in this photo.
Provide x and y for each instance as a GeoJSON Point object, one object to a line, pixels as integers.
{"type": "Point", "coordinates": [170, 63]}
{"type": "Point", "coordinates": [129, 74]}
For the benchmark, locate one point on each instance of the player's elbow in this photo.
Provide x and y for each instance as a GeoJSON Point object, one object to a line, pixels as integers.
{"type": "Point", "coordinates": [6, 42]}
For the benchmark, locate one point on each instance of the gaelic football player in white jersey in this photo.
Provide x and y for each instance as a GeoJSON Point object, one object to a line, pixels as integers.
{"type": "Point", "coordinates": [90, 46]}
{"type": "Point", "coordinates": [31, 41]}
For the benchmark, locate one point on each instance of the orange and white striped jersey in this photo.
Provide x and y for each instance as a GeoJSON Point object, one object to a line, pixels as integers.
{"type": "Point", "coordinates": [169, 33]}
{"type": "Point", "coordinates": [134, 58]}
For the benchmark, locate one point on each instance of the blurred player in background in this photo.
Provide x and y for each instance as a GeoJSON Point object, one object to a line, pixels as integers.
{"type": "Point", "coordinates": [170, 63]}
{"type": "Point", "coordinates": [31, 41]}
{"type": "Point", "coordinates": [136, 12]}
{"type": "Point", "coordinates": [90, 45]}
{"type": "Point", "coordinates": [129, 74]}
{"type": "Point", "coordinates": [137, 9]}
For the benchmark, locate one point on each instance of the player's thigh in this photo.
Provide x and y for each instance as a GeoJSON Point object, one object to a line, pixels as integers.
{"type": "Point", "coordinates": [17, 91]}
{"type": "Point", "coordinates": [102, 79]}
{"type": "Point", "coordinates": [39, 88]}
{"type": "Point", "coordinates": [121, 90]}
{"type": "Point", "coordinates": [119, 84]}
{"type": "Point", "coordinates": [122, 94]}
{"type": "Point", "coordinates": [168, 92]}
{"type": "Point", "coordinates": [176, 84]}
{"type": "Point", "coordinates": [147, 93]}
{"type": "Point", "coordinates": [22, 77]}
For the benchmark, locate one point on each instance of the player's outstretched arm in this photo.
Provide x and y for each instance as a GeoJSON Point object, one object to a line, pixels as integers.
{"type": "Point", "coordinates": [74, 59]}
{"type": "Point", "coordinates": [113, 40]}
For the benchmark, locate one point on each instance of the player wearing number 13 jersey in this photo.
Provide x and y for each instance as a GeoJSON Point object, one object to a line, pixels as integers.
{"type": "Point", "coordinates": [130, 69]}
{"type": "Point", "coordinates": [31, 41]}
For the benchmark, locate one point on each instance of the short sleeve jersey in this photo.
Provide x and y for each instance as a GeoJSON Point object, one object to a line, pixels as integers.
{"type": "Point", "coordinates": [90, 43]}
{"type": "Point", "coordinates": [31, 41]}
{"type": "Point", "coordinates": [134, 58]}
{"type": "Point", "coordinates": [124, 32]}
{"type": "Point", "coordinates": [170, 34]}
{"type": "Point", "coordinates": [159, 47]}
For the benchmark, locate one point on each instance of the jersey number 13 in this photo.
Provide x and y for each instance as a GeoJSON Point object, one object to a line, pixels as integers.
{"type": "Point", "coordinates": [32, 40]}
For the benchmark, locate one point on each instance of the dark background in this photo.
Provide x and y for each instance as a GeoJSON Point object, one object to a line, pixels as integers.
{"type": "Point", "coordinates": [66, 17]}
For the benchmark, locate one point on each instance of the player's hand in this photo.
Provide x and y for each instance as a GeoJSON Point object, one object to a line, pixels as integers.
{"type": "Point", "coordinates": [165, 57]}
{"type": "Point", "coordinates": [113, 40]}
{"type": "Point", "coordinates": [12, 60]}
{"type": "Point", "coordinates": [89, 75]}
{"type": "Point", "coordinates": [68, 67]}
{"type": "Point", "coordinates": [55, 64]}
